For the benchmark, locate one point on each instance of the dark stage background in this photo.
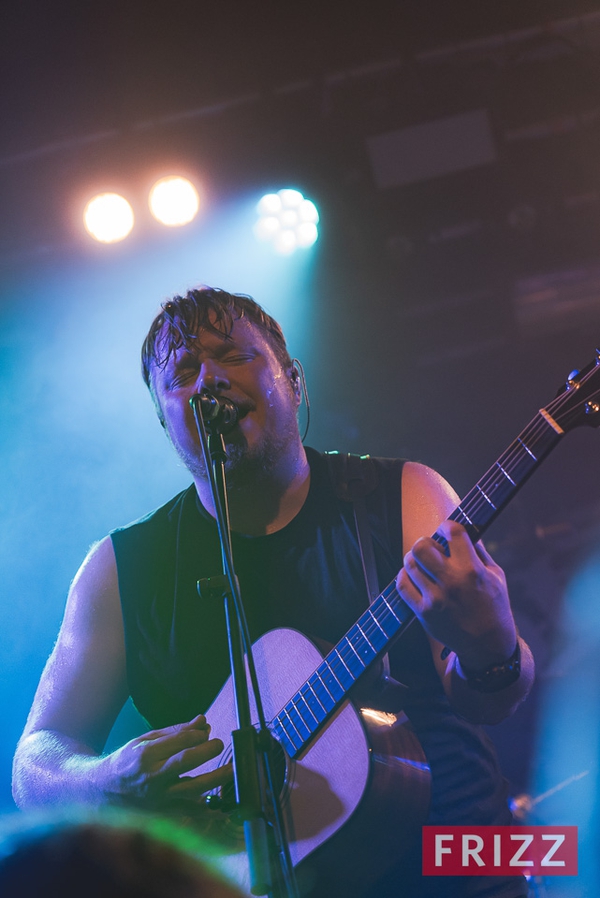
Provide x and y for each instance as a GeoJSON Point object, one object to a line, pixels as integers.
{"type": "Point", "coordinates": [453, 150]}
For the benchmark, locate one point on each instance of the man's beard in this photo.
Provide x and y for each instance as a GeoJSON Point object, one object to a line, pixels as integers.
{"type": "Point", "coordinates": [246, 466]}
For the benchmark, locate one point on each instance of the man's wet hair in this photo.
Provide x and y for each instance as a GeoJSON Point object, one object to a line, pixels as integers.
{"type": "Point", "coordinates": [206, 308]}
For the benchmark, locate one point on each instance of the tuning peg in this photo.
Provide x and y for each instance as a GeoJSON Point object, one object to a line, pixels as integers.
{"type": "Point", "coordinates": [572, 378]}
{"type": "Point", "coordinates": [598, 353]}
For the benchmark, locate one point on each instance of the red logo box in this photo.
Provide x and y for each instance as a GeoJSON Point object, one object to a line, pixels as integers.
{"type": "Point", "coordinates": [499, 850]}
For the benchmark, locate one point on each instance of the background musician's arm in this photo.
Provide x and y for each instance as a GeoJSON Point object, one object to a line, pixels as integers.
{"type": "Point", "coordinates": [462, 602]}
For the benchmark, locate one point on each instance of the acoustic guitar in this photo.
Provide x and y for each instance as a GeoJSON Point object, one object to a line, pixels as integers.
{"type": "Point", "coordinates": [354, 780]}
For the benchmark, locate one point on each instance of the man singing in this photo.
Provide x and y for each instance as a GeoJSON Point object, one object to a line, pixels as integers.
{"type": "Point", "coordinates": [135, 626]}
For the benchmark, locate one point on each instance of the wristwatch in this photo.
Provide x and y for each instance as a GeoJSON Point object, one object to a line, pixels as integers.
{"type": "Point", "coordinates": [497, 676]}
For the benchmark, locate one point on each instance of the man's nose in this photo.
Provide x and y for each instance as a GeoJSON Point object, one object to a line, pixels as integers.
{"type": "Point", "coordinates": [213, 376]}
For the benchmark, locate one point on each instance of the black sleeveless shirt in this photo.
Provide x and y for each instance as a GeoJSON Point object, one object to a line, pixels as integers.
{"type": "Point", "coordinates": [307, 576]}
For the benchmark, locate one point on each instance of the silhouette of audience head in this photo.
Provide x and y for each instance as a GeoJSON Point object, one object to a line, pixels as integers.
{"type": "Point", "coordinates": [104, 855]}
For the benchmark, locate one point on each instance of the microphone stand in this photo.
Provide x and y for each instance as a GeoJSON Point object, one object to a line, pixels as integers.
{"type": "Point", "coordinates": [256, 792]}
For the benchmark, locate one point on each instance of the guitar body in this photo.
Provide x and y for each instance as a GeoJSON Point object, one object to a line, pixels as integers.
{"type": "Point", "coordinates": [352, 800]}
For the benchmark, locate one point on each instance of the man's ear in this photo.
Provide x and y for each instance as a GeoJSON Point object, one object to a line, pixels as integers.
{"type": "Point", "coordinates": [296, 382]}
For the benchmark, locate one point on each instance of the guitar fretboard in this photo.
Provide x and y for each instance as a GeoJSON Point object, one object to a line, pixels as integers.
{"type": "Point", "coordinates": [388, 615]}
{"type": "Point", "coordinates": [500, 483]}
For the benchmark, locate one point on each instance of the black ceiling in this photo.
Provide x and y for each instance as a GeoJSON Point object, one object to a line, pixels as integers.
{"type": "Point", "coordinates": [71, 67]}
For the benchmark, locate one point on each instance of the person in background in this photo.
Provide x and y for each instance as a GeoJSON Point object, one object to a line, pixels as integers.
{"type": "Point", "coordinates": [115, 854]}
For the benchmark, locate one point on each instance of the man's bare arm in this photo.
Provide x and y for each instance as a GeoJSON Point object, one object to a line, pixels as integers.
{"type": "Point", "coordinates": [462, 601]}
{"type": "Point", "coordinates": [82, 689]}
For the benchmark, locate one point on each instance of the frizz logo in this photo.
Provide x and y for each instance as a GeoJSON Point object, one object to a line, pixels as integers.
{"type": "Point", "coordinates": [499, 850]}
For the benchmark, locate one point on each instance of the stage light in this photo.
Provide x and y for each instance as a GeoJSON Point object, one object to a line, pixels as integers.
{"type": "Point", "coordinates": [108, 217]}
{"type": "Point", "coordinates": [287, 220]}
{"type": "Point", "coordinates": [174, 201]}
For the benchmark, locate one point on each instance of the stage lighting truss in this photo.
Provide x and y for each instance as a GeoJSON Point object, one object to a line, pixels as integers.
{"type": "Point", "coordinates": [287, 220]}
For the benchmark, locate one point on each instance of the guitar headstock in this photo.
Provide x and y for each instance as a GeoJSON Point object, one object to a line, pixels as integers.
{"type": "Point", "coordinates": [578, 401]}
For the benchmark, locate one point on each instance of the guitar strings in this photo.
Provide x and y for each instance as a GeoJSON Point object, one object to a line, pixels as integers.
{"type": "Point", "coordinates": [528, 440]}
{"type": "Point", "coordinates": [342, 657]}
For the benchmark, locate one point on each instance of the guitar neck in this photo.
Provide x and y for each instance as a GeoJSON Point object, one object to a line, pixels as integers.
{"type": "Point", "coordinates": [388, 616]}
{"type": "Point", "coordinates": [494, 491]}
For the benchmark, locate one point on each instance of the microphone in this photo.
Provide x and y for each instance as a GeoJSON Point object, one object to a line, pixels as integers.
{"type": "Point", "coordinates": [219, 415]}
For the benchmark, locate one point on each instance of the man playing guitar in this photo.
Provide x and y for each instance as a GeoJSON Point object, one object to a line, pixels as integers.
{"type": "Point", "coordinates": [134, 624]}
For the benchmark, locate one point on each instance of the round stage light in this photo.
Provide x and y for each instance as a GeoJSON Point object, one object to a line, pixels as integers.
{"type": "Point", "coordinates": [174, 201]}
{"type": "Point", "coordinates": [306, 233]}
{"type": "Point", "coordinates": [108, 217]}
{"type": "Point", "coordinates": [270, 204]}
{"type": "Point", "coordinates": [287, 220]}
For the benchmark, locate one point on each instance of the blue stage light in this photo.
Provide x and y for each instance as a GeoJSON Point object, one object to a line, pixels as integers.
{"type": "Point", "coordinates": [287, 220]}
